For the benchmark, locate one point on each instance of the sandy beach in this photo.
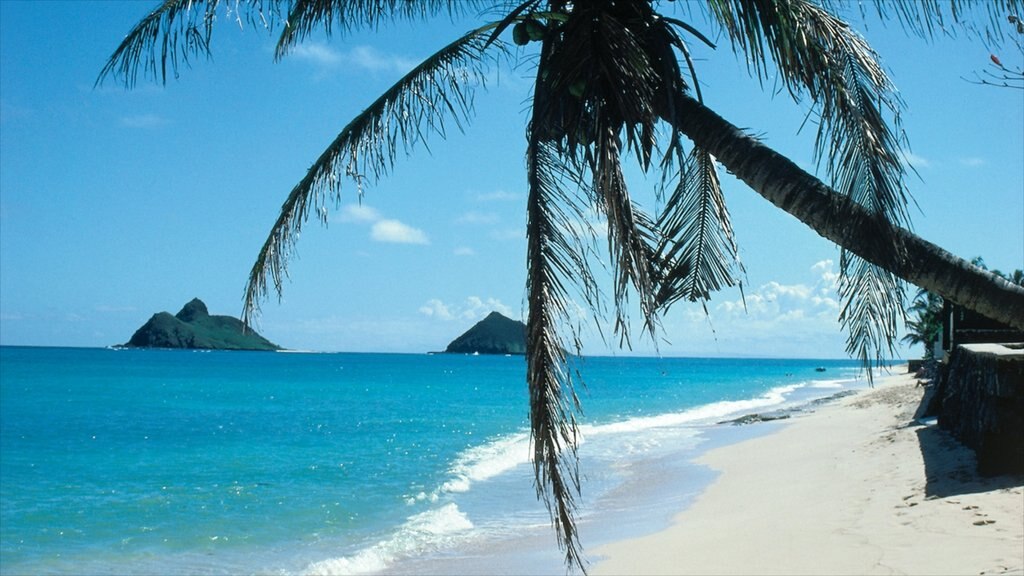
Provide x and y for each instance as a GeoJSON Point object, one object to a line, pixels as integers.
{"type": "Point", "coordinates": [855, 487]}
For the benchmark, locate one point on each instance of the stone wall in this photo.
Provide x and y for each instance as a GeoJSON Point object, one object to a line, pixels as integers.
{"type": "Point", "coordinates": [980, 400]}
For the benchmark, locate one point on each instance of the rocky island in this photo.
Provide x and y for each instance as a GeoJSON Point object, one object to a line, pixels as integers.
{"type": "Point", "coordinates": [495, 334]}
{"type": "Point", "coordinates": [193, 327]}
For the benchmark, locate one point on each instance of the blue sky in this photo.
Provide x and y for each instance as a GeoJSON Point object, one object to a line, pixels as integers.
{"type": "Point", "coordinates": [117, 204]}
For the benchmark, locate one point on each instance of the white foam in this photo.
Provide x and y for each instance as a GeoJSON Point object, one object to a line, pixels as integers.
{"type": "Point", "coordinates": [704, 413]}
{"type": "Point", "coordinates": [425, 532]}
{"type": "Point", "coordinates": [487, 460]}
{"type": "Point", "coordinates": [644, 433]}
{"type": "Point", "coordinates": [829, 383]}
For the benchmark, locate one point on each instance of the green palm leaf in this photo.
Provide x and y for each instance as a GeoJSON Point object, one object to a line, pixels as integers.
{"type": "Point", "coordinates": [175, 33]}
{"type": "Point", "coordinates": [929, 18]}
{"type": "Point", "coordinates": [308, 16]}
{"type": "Point", "coordinates": [871, 311]}
{"type": "Point", "coordinates": [608, 78]}
{"type": "Point", "coordinates": [556, 264]}
{"type": "Point", "coordinates": [818, 54]}
{"type": "Point", "coordinates": [439, 89]}
{"type": "Point", "coordinates": [697, 252]}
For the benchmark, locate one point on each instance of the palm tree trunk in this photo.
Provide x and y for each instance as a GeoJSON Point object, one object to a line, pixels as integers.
{"type": "Point", "coordinates": [848, 224]}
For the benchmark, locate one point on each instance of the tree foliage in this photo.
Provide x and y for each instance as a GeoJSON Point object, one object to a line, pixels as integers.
{"type": "Point", "coordinates": [615, 80]}
{"type": "Point", "coordinates": [924, 322]}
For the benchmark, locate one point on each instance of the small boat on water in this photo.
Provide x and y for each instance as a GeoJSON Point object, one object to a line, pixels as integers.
{"type": "Point", "coordinates": [819, 369]}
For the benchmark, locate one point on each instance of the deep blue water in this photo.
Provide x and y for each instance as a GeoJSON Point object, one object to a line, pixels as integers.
{"type": "Point", "coordinates": [185, 462]}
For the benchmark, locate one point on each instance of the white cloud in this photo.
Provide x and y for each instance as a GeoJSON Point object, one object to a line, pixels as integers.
{"type": "Point", "coordinates": [825, 271]}
{"type": "Point", "coordinates": [973, 161]}
{"type": "Point", "coordinates": [436, 309]}
{"type": "Point", "coordinates": [365, 57]}
{"type": "Point", "coordinates": [779, 304]}
{"type": "Point", "coordinates": [915, 161]}
{"type": "Point", "coordinates": [383, 229]}
{"type": "Point", "coordinates": [393, 231]}
{"type": "Point", "coordinates": [359, 213]}
{"type": "Point", "coordinates": [317, 53]}
{"type": "Point", "coordinates": [473, 309]}
{"type": "Point", "coordinates": [477, 308]}
{"type": "Point", "coordinates": [464, 251]}
{"type": "Point", "coordinates": [372, 59]}
{"type": "Point", "coordinates": [497, 196]}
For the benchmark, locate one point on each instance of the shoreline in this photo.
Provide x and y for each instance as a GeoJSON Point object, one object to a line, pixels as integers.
{"type": "Point", "coordinates": [653, 487]}
{"type": "Point", "coordinates": [854, 487]}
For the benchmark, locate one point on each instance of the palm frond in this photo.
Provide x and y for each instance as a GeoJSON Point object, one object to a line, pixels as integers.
{"type": "Point", "coordinates": [613, 75]}
{"type": "Point", "coordinates": [930, 18]}
{"type": "Point", "coordinates": [630, 235]}
{"type": "Point", "coordinates": [864, 163]}
{"type": "Point", "coordinates": [872, 306]}
{"type": "Point", "coordinates": [698, 253]}
{"type": "Point", "coordinates": [854, 91]}
{"type": "Point", "coordinates": [175, 33]}
{"type": "Point", "coordinates": [438, 90]}
{"type": "Point", "coordinates": [555, 264]}
{"type": "Point", "coordinates": [314, 16]}
{"type": "Point", "coordinates": [819, 54]}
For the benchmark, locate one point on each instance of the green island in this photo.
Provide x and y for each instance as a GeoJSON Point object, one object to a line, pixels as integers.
{"type": "Point", "coordinates": [194, 328]}
{"type": "Point", "coordinates": [495, 334]}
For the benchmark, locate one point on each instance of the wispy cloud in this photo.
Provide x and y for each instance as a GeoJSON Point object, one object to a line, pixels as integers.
{"type": "Point", "coordinates": [436, 309]}
{"type": "Point", "coordinates": [143, 121]}
{"type": "Point", "coordinates": [372, 59]}
{"type": "Point", "coordinates": [387, 230]}
{"type": "Point", "coordinates": [395, 232]}
{"type": "Point", "coordinates": [777, 302]}
{"type": "Point", "coordinates": [365, 57]}
{"type": "Point", "coordinates": [498, 196]}
{"type": "Point", "coordinates": [473, 308]}
{"type": "Point", "coordinates": [359, 213]}
{"type": "Point", "coordinates": [973, 161]}
{"type": "Point", "coordinates": [319, 54]}
{"type": "Point", "coordinates": [464, 251]}
{"type": "Point", "coordinates": [778, 318]}
{"type": "Point", "coordinates": [915, 161]}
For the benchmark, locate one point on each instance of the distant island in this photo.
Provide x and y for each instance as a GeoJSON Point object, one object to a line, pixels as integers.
{"type": "Point", "coordinates": [495, 334]}
{"type": "Point", "coordinates": [195, 328]}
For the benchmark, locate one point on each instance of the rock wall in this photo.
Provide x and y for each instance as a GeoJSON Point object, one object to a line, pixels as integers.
{"type": "Point", "coordinates": [980, 400]}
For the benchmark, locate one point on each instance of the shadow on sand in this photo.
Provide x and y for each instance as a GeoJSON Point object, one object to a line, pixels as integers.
{"type": "Point", "coordinates": [952, 469]}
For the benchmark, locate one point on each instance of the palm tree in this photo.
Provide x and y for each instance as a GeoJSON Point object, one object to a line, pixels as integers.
{"type": "Point", "coordinates": [926, 310]}
{"type": "Point", "coordinates": [614, 81]}
{"type": "Point", "coordinates": [925, 324]}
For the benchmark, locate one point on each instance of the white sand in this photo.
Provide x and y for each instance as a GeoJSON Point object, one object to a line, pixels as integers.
{"type": "Point", "coordinates": [854, 488]}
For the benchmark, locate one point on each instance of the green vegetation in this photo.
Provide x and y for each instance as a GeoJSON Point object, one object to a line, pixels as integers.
{"type": "Point", "coordinates": [194, 327]}
{"type": "Point", "coordinates": [495, 334]}
{"type": "Point", "coordinates": [924, 317]}
{"type": "Point", "coordinates": [615, 83]}
{"type": "Point", "coordinates": [924, 322]}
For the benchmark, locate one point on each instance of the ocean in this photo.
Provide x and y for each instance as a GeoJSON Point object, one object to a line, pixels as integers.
{"type": "Point", "coordinates": [203, 462]}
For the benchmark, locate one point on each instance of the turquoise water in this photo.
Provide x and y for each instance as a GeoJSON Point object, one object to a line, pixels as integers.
{"type": "Point", "coordinates": [188, 462]}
